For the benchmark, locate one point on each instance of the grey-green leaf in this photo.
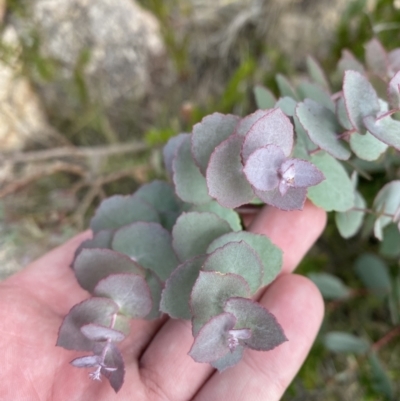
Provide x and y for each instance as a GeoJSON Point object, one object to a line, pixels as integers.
{"type": "Point", "coordinates": [374, 273]}
{"type": "Point", "coordinates": [338, 341]}
{"type": "Point", "coordinates": [316, 73]}
{"type": "Point", "coordinates": [270, 255]}
{"type": "Point", "coordinates": [314, 92]}
{"type": "Point", "coordinates": [285, 88]}
{"type": "Point", "coordinates": [176, 294]}
{"type": "Point", "coordinates": [330, 286]}
{"type": "Point", "coordinates": [194, 231]}
{"type": "Point", "coordinates": [348, 223]}
{"type": "Point", "coordinates": [385, 129]}
{"type": "Point", "coordinates": [211, 291]}
{"type": "Point", "coordinates": [366, 146]}
{"type": "Point", "coordinates": [208, 134]}
{"type": "Point", "coordinates": [238, 258]}
{"type": "Point", "coordinates": [150, 245]}
{"type": "Point", "coordinates": [264, 97]}
{"type": "Point", "coordinates": [322, 127]}
{"type": "Point", "coordinates": [190, 184]}
{"type": "Point", "coordinates": [336, 191]}
{"type": "Point", "coordinates": [118, 211]}
{"type": "Point", "coordinates": [225, 213]}
{"type": "Point", "coordinates": [287, 105]}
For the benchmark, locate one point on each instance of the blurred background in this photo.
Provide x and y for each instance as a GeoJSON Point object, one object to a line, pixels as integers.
{"type": "Point", "coordinates": [90, 90]}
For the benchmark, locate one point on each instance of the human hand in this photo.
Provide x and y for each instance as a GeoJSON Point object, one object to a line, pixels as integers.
{"type": "Point", "coordinates": [34, 302]}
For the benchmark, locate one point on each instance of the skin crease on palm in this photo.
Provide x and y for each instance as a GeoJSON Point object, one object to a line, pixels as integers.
{"type": "Point", "coordinates": [34, 302]}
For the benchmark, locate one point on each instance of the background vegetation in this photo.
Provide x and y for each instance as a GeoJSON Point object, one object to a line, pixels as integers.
{"type": "Point", "coordinates": [44, 211]}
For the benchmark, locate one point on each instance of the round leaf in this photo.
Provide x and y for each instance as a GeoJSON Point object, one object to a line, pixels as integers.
{"type": "Point", "coordinates": [360, 98]}
{"type": "Point", "coordinates": [394, 91]}
{"type": "Point", "coordinates": [176, 294]}
{"type": "Point", "coordinates": [270, 255]}
{"type": "Point", "coordinates": [118, 210]}
{"type": "Point", "coordinates": [317, 94]}
{"type": "Point", "coordinates": [366, 146]}
{"type": "Point", "coordinates": [211, 343]}
{"type": "Point", "coordinates": [210, 292]}
{"type": "Point", "coordinates": [190, 184]}
{"type": "Point", "coordinates": [284, 86]}
{"type": "Point", "coordinates": [293, 199]}
{"type": "Point", "coordinates": [95, 332]}
{"type": "Point", "coordinates": [322, 127]}
{"type": "Point", "coordinates": [94, 310]}
{"type": "Point", "coordinates": [170, 150]}
{"type": "Point", "coordinates": [194, 231]}
{"type": "Point", "coordinates": [262, 167]}
{"type": "Point", "coordinates": [225, 178]}
{"type": "Point", "coordinates": [208, 134]}
{"type": "Point", "coordinates": [316, 73]}
{"type": "Point", "coordinates": [287, 105]}
{"type": "Point", "coordinates": [229, 215]}
{"type": "Point", "coordinates": [129, 291]}
{"type": "Point", "coordinates": [274, 128]}
{"type": "Point", "coordinates": [385, 129]}
{"type": "Point", "coordinates": [266, 332]}
{"type": "Point", "coordinates": [336, 191]}
{"type": "Point", "coordinates": [148, 244]}
{"type": "Point", "coordinates": [348, 223]}
{"type": "Point", "coordinates": [238, 258]}
{"type": "Point", "coordinates": [92, 265]}
{"type": "Point", "coordinates": [247, 122]}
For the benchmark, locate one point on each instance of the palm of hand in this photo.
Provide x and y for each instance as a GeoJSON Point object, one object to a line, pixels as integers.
{"type": "Point", "coordinates": [34, 302]}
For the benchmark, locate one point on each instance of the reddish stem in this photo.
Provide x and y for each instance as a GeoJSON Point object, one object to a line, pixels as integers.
{"type": "Point", "coordinates": [386, 338]}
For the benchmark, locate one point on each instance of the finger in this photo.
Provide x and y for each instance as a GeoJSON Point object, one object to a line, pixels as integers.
{"type": "Point", "coordinates": [294, 232]}
{"type": "Point", "coordinates": [168, 351]}
{"type": "Point", "coordinates": [50, 278]}
{"type": "Point", "coordinates": [298, 307]}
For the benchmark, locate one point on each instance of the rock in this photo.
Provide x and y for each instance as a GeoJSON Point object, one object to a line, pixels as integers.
{"type": "Point", "coordinates": [103, 51]}
{"type": "Point", "coordinates": [22, 118]}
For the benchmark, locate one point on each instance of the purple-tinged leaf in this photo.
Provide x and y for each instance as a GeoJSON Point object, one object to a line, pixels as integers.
{"type": "Point", "coordinates": [86, 361]}
{"type": "Point", "coordinates": [349, 62]}
{"type": "Point", "coordinates": [300, 173]}
{"type": "Point", "coordinates": [149, 244]}
{"type": "Point", "coordinates": [114, 368]}
{"type": "Point", "coordinates": [95, 332]}
{"type": "Point", "coordinates": [287, 105]}
{"type": "Point", "coordinates": [211, 291]}
{"type": "Point", "coordinates": [265, 99]}
{"type": "Point", "coordinates": [341, 114]}
{"type": "Point", "coordinates": [394, 60]}
{"type": "Point", "coordinates": [170, 149]}
{"type": "Point", "coordinates": [238, 258]}
{"type": "Point", "coordinates": [394, 91]}
{"type": "Point", "coordinates": [156, 286]}
{"type": "Point", "coordinates": [262, 167]}
{"type": "Point", "coordinates": [274, 128]}
{"type": "Point", "coordinates": [194, 231]}
{"type": "Point", "coordinates": [102, 240]}
{"type": "Point", "coordinates": [366, 146]}
{"type": "Point", "coordinates": [246, 123]}
{"type": "Point", "coordinates": [385, 129]}
{"type": "Point", "coordinates": [360, 98]}
{"type": "Point", "coordinates": [322, 127]}
{"type": "Point", "coordinates": [293, 199]}
{"type": "Point", "coordinates": [376, 58]}
{"type": "Point", "coordinates": [314, 92]}
{"type": "Point", "coordinates": [225, 213]}
{"type": "Point", "coordinates": [211, 343]}
{"type": "Point", "coordinates": [316, 73]}
{"type": "Point", "coordinates": [225, 178]}
{"type": "Point", "coordinates": [270, 255]}
{"type": "Point", "coordinates": [266, 332]}
{"type": "Point", "coordinates": [92, 265]}
{"type": "Point", "coordinates": [386, 201]}
{"type": "Point", "coordinates": [229, 360]}
{"type": "Point", "coordinates": [94, 310]}
{"type": "Point", "coordinates": [129, 291]}
{"type": "Point", "coordinates": [176, 294]}
{"type": "Point", "coordinates": [336, 192]}
{"type": "Point", "coordinates": [190, 184]}
{"type": "Point", "coordinates": [284, 86]}
{"type": "Point", "coordinates": [208, 134]}
{"type": "Point", "coordinates": [118, 211]}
